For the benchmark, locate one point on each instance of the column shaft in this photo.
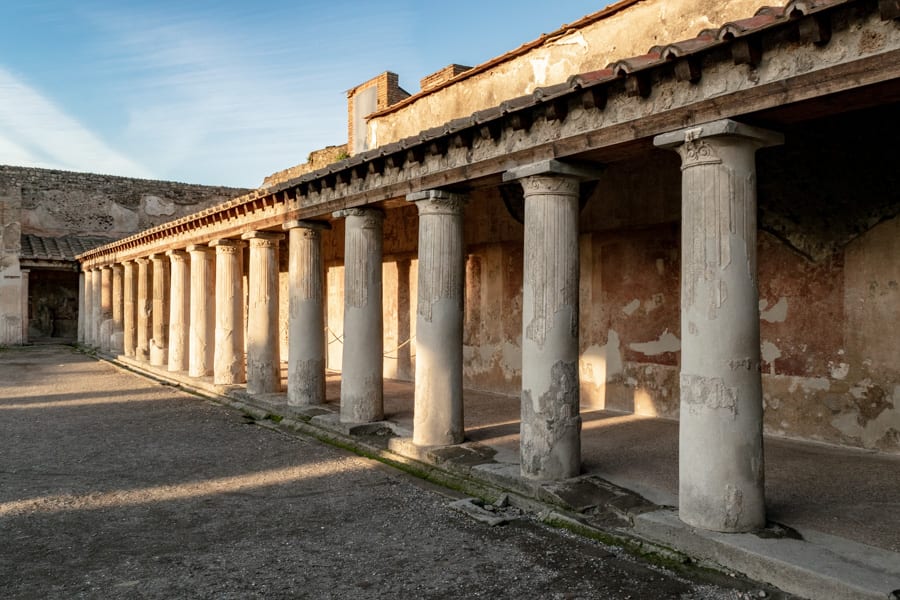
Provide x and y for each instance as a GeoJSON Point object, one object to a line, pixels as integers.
{"type": "Point", "coordinates": [203, 311]}
{"type": "Point", "coordinates": [129, 309]}
{"type": "Point", "coordinates": [438, 416]}
{"type": "Point", "coordinates": [228, 359]}
{"type": "Point", "coordinates": [179, 310]}
{"type": "Point", "coordinates": [362, 370]}
{"type": "Point", "coordinates": [721, 468]}
{"type": "Point", "coordinates": [96, 310]}
{"type": "Point", "coordinates": [551, 424]}
{"type": "Point", "coordinates": [89, 307]}
{"type": "Point", "coordinates": [105, 308]}
{"type": "Point", "coordinates": [81, 299]}
{"type": "Point", "coordinates": [144, 309]}
{"type": "Point", "coordinates": [263, 345]}
{"type": "Point", "coordinates": [159, 343]}
{"type": "Point", "coordinates": [115, 340]}
{"type": "Point", "coordinates": [306, 338]}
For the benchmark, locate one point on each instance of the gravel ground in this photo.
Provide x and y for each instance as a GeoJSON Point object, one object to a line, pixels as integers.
{"type": "Point", "coordinates": [112, 486]}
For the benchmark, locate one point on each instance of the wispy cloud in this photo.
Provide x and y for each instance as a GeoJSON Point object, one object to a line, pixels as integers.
{"type": "Point", "coordinates": [232, 103]}
{"type": "Point", "coordinates": [36, 132]}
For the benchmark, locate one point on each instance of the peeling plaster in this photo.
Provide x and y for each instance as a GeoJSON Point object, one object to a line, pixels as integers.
{"type": "Point", "coordinates": [770, 352]}
{"type": "Point", "coordinates": [839, 371]}
{"type": "Point", "coordinates": [599, 363]}
{"type": "Point", "coordinates": [576, 39]}
{"type": "Point", "coordinates": [667, 342]}
{"type": "Point", "coordinates": [777, 313]}
{"type": "Point", "coordinates": [632, 306]}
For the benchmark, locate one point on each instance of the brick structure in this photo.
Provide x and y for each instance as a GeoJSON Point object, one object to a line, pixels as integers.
{"type": "Point", "coordinates": [373, 95]}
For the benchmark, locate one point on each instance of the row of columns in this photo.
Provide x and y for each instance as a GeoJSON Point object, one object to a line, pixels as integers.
{"type": "Point", "coordinates": [721, 461]}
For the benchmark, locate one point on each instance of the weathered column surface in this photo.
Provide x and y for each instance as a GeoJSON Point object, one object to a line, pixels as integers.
{"type": "Point", "coordinates": [115, 337]}
{"type": "Point", "coordinates": [159, 343]}
{"type": "Point", "coordinates": [23, 300]}
{"type": "Point", "coordinates": [721, 467]}
{"type": "Point", "coordinates": [96, 307]}
{"type": "Point", "coordinates": [550, 443]}
{"type": "Point", "coordinates": [306, 323]}
{"type": "Point", "coordinates": [203, 312]}
{"type": "Point", "coordinates": [263, 354]}
{"type": "Point", "coordinates": [129, 308]}
{"type": "Point", "coordinates": [106, 302]}
{"type": "Point", "coordinates": [228, 357]}
{"type": "Point", "coordinates": [82, 281]}
{"type": "Point", "coordinates": [362, 374]}
{"type": "Point", "coordinates": [144, 309]}
{"type": "Point", "coordinates": [438, 415]}
{"type": "Point", "coordinates": [179, 310]}
{"type": "Point", "coordinates": [88, 312]}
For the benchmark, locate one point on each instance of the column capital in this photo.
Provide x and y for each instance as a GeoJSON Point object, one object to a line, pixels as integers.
{"type": "Point", "coordinates": [553, 167]}
{"type": "Point", "coordinates": [205, 248]}
{"type": "Point", "coordinates": [263, 238]}
{"type": "Point", "coordinates": [370, 213]}
{"type": "Point", "coordinates": [177, 255]}
{"type": "Point", "coordinates": [721, 128]}
{"type": "Point", "coordinates": [438, 202]}
{"type": "Point", "coordinates": [304, 224]}
{"type": "Point", "coordinates": [157, 256]}
{"type": "Point", "coordinates": [142, 260]}
{"type": "Point", "coordinates": [227, 243]}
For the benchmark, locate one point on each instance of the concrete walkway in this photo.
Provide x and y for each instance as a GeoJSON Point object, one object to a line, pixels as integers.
{"type": "Point", "coordinates": [112, 486]}
{"type": "Point", "coordinates": [843, 505]}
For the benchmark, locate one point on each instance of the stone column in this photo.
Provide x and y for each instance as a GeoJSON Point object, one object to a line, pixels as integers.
{"type": "Point", "coordinates": [129, 309]}
{"type": "Point", "coordinates": [721, 468]}
{"type": "Point", "coordinates": [159, 343]}
{"type": "Point", "coordinates": [82, 281]}
{"type": "Point", "coordinates": [24, 304]}
{"type": "Point", "coordinates": [96, 307]}
{"type": "Point", "coordinates": [203, 311]}
{"type": "Point", "coordinates": [117, 334]}
{"type": "Point", "coordinates": [362, 374]}
{"type": "Point", "coordinates": [438, 415]}
{"type": "Point", "coordinates": [263, 354]}
{"type": "Point", "coordinates": [179, 310]}
{"type": "Point", "coordinates": [228, 359]}
{"type": "Point", "coordinates": [143, 309]}
{"type": "Point", "coordinates": [550, 444]}
{"type": "Point", "coordinates": [105, 307]}
{"type": "Point", "coordinates": [306, 325]}
{"type": "Point", "coordinates": [88, 317]}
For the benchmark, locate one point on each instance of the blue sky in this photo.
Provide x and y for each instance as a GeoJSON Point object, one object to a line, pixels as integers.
{"type": "Point", "coordinates": [224, 92]}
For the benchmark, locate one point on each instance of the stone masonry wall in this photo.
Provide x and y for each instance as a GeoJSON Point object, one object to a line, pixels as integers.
{"type": "Point", "coordinates": [624, 34]}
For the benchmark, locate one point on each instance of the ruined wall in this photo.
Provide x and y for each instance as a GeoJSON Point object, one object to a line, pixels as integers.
{"type": "Point", "coordinates": [316, 160]}
{"type": "Point", "coordinates": [56, 203]}
{"type": "Point", "coordinates": [630, 32]}
{"type": "Point", "coordinates": [11, 304]}
{"type": "Point", "coordinates": [53, 203]}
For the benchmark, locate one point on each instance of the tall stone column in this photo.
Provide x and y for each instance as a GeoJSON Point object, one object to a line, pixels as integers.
{"type": "Point", "coordinates": [129, 309]}
{"type": "Point", "coordinates": [263, 345]}
{"type": "Point", "coordinates": [105, 307]}
{"type": "Point", "coordinates": [438, 415]}
{"type": "Point", "coordinates": [362, 370]}
{"type": "Point", "coordinates": [550, 443]}
{"type": "Point", "coordinates": [144, 309]}
{"type": "Point", "coordinates": [82, 281]}
{"type": "Point", "coordinates": [159, 343]}
{"type": "Point", "coordinates": [179, 310]}
{"type": "Point", "coordinates": [721, 470]}
{"type": "Point", "coordinates": [89, 307]}
{"type": "Point", "coordinates": [116, 335]}
{"type": "Point", "coordinates": [306, 324]}
{"type": "Point", "coordinates": [96, 307]}
{"type": "Point", "coordinates": [228, 359]}
{"type": "Point", "coordinates": [23, 299]}
{"type": "Point", "coordinates": [203, 311]}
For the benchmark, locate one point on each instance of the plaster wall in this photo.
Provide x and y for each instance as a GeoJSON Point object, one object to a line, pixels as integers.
{"type": "Point", "coordinates": [630, 32]}
{"type": "Point", "coordinates": [11, 306]}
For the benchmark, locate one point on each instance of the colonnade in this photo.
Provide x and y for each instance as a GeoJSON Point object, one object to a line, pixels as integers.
{"type": "Point", "coordinates": [160, 309]}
